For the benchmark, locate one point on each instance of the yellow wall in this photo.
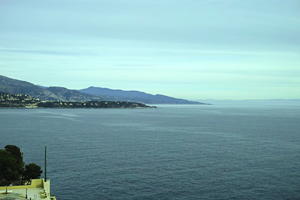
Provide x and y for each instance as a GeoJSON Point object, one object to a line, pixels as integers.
{"type": "Point", "coordinates": [35, 183]}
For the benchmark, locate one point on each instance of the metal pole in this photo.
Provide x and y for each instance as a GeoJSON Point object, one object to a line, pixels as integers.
{"type": "Point", "coordinates": [45, 163]}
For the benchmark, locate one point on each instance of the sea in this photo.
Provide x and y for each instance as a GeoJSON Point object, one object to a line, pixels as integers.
{"type": "Point", "coordinates": [172, 152]}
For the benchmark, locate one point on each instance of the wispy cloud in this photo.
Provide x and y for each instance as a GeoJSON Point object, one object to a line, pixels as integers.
{"type": "Point", "coordinates": [40, 51]}
{"type": "Point", "coordinates": [181, 48]}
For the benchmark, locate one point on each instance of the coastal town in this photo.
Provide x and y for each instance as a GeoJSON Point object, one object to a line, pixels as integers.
{"type": "Point", "coordinates": [25, 101]}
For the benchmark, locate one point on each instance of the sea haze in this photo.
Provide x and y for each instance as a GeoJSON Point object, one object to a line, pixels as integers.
{"type": "Point", "coordinates": [172, 152]}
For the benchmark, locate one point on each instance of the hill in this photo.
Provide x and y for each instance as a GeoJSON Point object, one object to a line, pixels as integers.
{"type": "Point", "coordinates": [122, 95]}
{"type": "Point", "coordinates": [13, 86]}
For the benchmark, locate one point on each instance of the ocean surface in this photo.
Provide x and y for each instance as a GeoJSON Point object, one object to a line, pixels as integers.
{"type": "Point", "coordinates": [172, 152]}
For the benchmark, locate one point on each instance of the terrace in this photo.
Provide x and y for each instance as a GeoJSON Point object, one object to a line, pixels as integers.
{"type": "Point", "coordinates": [39, 189]}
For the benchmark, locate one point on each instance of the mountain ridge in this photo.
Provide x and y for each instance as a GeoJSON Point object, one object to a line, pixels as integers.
{"type": "Point", "coordinates": [92, 93]}
{"type": "Point", "coordinates": [133, 95]}
{"type": "Point", "coordinates": [14, 86]}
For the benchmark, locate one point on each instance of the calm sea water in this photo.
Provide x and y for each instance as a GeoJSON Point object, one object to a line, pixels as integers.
{"type": "Point", "coordinates": [168, 153]}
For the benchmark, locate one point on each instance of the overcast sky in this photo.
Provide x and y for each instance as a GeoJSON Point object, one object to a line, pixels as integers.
{"type": "Point", "coordinates": [196, 49]}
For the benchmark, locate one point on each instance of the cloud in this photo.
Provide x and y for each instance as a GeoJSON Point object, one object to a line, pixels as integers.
{"type": "Point", "coordinates": [164, 44]}
{"type": "Point", "coordinates": [39, 51]}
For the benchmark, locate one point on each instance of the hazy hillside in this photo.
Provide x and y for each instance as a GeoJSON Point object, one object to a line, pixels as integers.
{"type": "Point", "coordinates": [122, 95]}
{"type": "Point", "coordinates": [13, 86]}
{"type": "Point", "coordinates": [72, 95]}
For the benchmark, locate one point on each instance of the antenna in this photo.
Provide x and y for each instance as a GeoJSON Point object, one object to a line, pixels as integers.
{"type": "Point", "coordinates": [45, 164]}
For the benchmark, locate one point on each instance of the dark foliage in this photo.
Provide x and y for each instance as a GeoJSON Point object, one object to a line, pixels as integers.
{"type": "Point", "coordinates": [9, 171]}
{"type": "Point", "coordinates": [32, 171]}
{"type": "Point", "coordinates": [12, 169]}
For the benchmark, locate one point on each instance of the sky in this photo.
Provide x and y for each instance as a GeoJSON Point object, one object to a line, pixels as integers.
{"type": "Point", "coordinates": [194, 49]}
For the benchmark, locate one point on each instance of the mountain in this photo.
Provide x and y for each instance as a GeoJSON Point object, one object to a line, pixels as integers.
{"type": "Point", "coordinates": [121, 95]}
{"type": "Point", "coordinates": [13, 86]}
{"type": "Point", "coordinates": [71, 95]}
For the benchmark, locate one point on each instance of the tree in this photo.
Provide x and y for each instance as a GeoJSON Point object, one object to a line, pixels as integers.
{"type": "Point", "coordinates": [9, 171]}
{"type": "Point", "coordinates": [32, 171]}
{"type": "Point", "coordinates": [12, 167]}
{"type": "Point", "coordinates": [18, 155]}
{"type": "Point", "coordinates": [15, 151]}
